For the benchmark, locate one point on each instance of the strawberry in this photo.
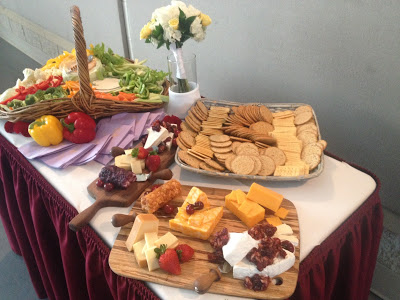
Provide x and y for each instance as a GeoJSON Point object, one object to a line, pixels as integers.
{"type": "Point", "coordinates": [185, 252]}
{"type": "Point", "coordinates": [153, 162]}
{"type": "Point", "coordinates": [168, 260]}
{"type": "Point", "coordinates": [142, 153]}
{"type": "Point", "coordinates": [9, 127]}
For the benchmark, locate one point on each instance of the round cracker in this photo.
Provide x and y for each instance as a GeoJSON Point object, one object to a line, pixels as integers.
{"type": "Point", "coordinates": [221, 150]}
{"type": "Point", "coordinates": [187, 138]}
{"type": "Point", "coordinates": [247, 149]}
{"type": "Point", "coordinates": [228, 161]}
{"type": "Point", "coordinates": [214, 164]}
{"type": "Point", "coordinates": [266, 114]}
{"type": "Point", "coordinates": [312, 160]}
{"type": "Point", "coordinates": [267, 165]}
{"type": "Point", "coordinates": [202, 107]}
{"type": "Point", "coordinates": [190, 160]}
{"type": "Point", "coordinates": [235, 144]}
{"type": "Point", "coordinates": [219, 138]}
{"type": "Point", "coordinates": [262, 127]}
{"type": "Point", "coordinates": [257, 165]}
{"type": "Point", "coordinates": [181, 145]}
{"type": "Point", "coordinates": [303, 117]}
{"type": "Point", "coordinates": [303, 108]}
{"type": "Point", "coordinates": [221, 145]}
{"type": "Point", "coordinates": [276, 154]}
{"type": "Point", "coordinates": [207, 167]}
{"type": "Point", "coordinates": [307, 137]}
{"type": "Point", "coordinates": [323, 143]}
{"type": "Point", "coordinates": [312, 148]}
{"type": "Point", "coordinates": [242, 164]}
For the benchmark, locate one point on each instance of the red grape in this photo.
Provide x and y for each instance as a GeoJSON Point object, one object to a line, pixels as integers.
{"type": "Point", "coordinates": [99, 183]}
{"type": "Point", "coordinates": [190, 209]}
{"type": "Point", "coordinates": [198, 205]}
{"type": "Point", "coordinates": [108, 186]}
{"type": "Point", "coordinates": [168, 209]}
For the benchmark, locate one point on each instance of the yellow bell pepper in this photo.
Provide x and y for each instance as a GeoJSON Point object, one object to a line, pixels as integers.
{"type": "Point", "coordinates": [46, 131]}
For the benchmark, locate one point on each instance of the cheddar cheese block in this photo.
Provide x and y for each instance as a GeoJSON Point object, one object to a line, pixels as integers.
{"type": "Point", "coordinates": [265, 197]}
{"type": "Point", "coordinates": [274, 220]}
{"type": "Point", "coordinates": [202, 222]}
{"type": "Point", "coordinates": [247, 211]}
{"type": "Point", "coordinates": [143, 223]}
{"type": "Point", "coordinates": [282, 213]}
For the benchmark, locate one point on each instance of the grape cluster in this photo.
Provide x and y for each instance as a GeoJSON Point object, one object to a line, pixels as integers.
{"type": "Point", "coordinates": [117, 176]}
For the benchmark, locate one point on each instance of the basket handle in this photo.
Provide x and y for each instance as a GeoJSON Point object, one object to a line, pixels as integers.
{"type": "Point", "coordinates": [85, 91]}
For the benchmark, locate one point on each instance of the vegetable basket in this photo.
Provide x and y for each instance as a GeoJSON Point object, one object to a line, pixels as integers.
{"type": "Point", "coordinates": [85, 100]}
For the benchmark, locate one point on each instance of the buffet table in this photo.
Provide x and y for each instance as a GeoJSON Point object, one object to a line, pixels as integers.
{"type": "Point", "coordinates": [339, 212]}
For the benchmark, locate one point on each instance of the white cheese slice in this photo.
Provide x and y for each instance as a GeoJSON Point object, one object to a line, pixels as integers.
{"type": "Point", "coordinates": [139, 254]}
{"type": "Point", "coordinates": [283, 229]}
{"type": "Point", "coordinates": [156, 137]}
{"type": "Point", "coordinates": [245, 268]}
{"type": "Point", "coordinates": [144, 248]}
{"type": "Point", "coordinates": [169, 239]}
{"type": "Point", "coordinates": [169, 144]}
{"type": "Point", "coordinates": [152, 260]}
{"type": "Point", "coordinates": [238, 246]}
{"type": "Point", "coordinates": [150, 238]}
{"type": "Point", "coordinates": [128, 151]}
{"type": "Point", "coordinates": [290, 238]}
{"type": "Point", "coordinates": [123, 161]}
{"type": "Point", "coordinates": [143, 223]}
{"type": "Point", "coordinates": [136, 166]}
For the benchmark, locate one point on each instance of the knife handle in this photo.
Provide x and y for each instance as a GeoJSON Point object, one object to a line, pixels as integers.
{"type": "Point", "coordinates": [204, 282]}
{"type": "Point", "coordinates": [84, 217]}
{"type": "Point", "coordinates": [119, 220]}
{"type": "Point", "coordinates": [165, 174]}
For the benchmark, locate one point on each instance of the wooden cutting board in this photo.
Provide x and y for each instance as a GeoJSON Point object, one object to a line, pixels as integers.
{"type": "Point", "coordinates": [123, 262]}
{"type": "Point", "coordinates": [119, 197]}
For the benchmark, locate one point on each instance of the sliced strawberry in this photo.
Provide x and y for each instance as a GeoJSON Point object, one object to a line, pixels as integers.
{"type": "Point", "coordinates": [185, 252]}
{"type": "Point", "coordinates": [143, 153]}
{"type": "Point", "coordinates": [153, 162]}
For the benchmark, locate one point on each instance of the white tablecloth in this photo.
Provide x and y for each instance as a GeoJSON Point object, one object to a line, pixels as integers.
{"type": "Point", "coordinates": [322, 203]}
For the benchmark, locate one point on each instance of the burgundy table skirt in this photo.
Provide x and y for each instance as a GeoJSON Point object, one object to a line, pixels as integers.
{"type": "Point", "coordinates": [66, 265]}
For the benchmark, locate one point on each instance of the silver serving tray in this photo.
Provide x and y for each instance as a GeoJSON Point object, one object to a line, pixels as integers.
{"type": "Point", "coordinates": [274, 107]}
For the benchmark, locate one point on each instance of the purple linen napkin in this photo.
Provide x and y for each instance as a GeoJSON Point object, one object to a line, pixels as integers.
{"type": "Point", "coordinates": [90, 155]}
{"type": "Point", "coordinates": [33, 150]}
{"type": "Point", "coordinates": [65, 158]}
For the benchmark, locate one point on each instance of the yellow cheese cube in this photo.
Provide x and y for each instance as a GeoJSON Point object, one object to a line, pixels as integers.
{"type": "Point", "coordinates": [282, 213]}
{"type": "Point", "coordinates": [274, 220]}
{"type": "Point", "coordinates": [241, 196]}
{"type": "Point", "coordinates": [251, 212]}
{"type": "Point", "coordinates": [265, 197]}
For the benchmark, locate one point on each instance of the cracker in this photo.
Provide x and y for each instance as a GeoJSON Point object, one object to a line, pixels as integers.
{"type": "Point", "coordinates": [221, 150]}
{"type": "Point", "coordinates": [183, 142]}
{"type": "Point", "coordinates": [219, 138]}
{"type": "Point", "coordinates": [222, 156]}
{"type": "Point", "coordinates": [289, 171]}
{"type": "Point", "coordinates": [306, 126]}
{"type": "Point", "coordinates": [312, 160]}
{"type": "Point", "coordinates": [262, 127]}
{"type": "Point", "coordinates": [276, 154]}
{"type": "Point", "coordinates": [235, 144]}
{"type": "Point", "coordinates": [190, 160]}
{"type": "Point", "coordinates": [247, 149]}
{"type": "Point", "coordinates": [187, 138]}
{"type": "Point", "coordinates": [267, 165]}
{"type": "Point", "coordinates": [181, 145]}
{"type": "Point", "coordinates": [261, 145]}
{"type": "Point", "coordinates": [257, 165]}
{"type": "Point", "coordinates": [307, 137]}
{"type": "Point", "coordinates": [235, 138]}
{"type": "Point", "coordinates": [187, 128]}
{"type": "Point", "coordinates": [197, 155]}
{"type": "Point", "coordinates": [323, 143]}
{"type": "Point", "coordinates": [194, 126]}
{"type": "Point", "coordinates": [223, 109]}
{"type": "Point", "coordinates": [312, 148]}
{"type": "Point", "coordinates": [221, 145]}
{"type": "Point", "coordinates": [303, 117]}
{"type": "Point", "coordinates": [228, 161]}
{"type": "Point", "coordinates": [242, 164]}
{"type": "Point", "coordinates": [198, 115]}
{"type": "Point", "coordinates": [202, 107]}
{"type": "Point", "coordinates": [203, 150]}
{"type": "Point", "coordinates": [214, 164]}
{"type": "Point", "coordinates": [207, 167]}
{"type": "Point", "coordinates": [302, 108]}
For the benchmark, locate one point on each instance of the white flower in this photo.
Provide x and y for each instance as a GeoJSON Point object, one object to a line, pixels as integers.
{"type": "Point", "coordinates": [197, 30]}
{"type": "Point", "coordinates": [172, 35]}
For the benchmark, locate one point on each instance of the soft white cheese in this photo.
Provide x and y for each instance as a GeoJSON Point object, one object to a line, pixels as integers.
{"type": "Point", "coordinates": [290, 238]}
{"type": "Point", "coordinates": [156, 137]}
{"type": "Point", "coordinates": [283, 229]}
{"type": "Point", "coordinates": [169, 144]}
{"type": "Point", "coordinates": [245, 268]}
{"type": "Point", "coordinates": [238, 246]}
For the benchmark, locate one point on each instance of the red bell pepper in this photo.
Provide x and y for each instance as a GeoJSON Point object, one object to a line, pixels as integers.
{"type": "Point", "coordinates": [79, 128]}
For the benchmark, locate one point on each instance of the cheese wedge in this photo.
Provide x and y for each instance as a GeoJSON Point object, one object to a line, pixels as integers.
{"type": "Point", "coordinates": [151, 258]}
{"type": "Point", "coordinates": [150, 238]}
{"type": "Point", "coordinates": [143, 223]}
{"type": "Point", "coordinates": [139, 254]}
{"type": "Point", "coordinates": [265, 197]}
{"type": "Point", "coordinates": [168, 239]}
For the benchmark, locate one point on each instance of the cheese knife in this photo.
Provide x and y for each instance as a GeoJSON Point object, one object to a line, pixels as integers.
{"type": "Point", "coordinates": [202, 284]}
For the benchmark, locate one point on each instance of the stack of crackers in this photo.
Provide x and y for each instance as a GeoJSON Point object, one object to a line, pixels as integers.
{"type": "Point", "coordinates": [256, 140]}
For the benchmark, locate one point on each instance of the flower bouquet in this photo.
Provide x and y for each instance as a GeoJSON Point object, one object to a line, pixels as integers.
{"type": "Point", "coordinates": [171, 26]}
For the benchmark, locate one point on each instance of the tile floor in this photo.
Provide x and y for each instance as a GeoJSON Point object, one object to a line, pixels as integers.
{"type": "Point", "coordinates": [15, 282]}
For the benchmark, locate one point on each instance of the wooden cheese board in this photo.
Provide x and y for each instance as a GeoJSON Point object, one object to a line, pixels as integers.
{"type": "Point", "coordinates": [123, 262]}
{"type": "Point", "coordinates": [120, 197]}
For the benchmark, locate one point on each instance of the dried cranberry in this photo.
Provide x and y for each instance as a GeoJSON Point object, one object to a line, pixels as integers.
{"type": "Point", "coordinates": [190, 209]}
{"type": "Point", "coordinates": [156, 126]}
{"type": "Point", "coordinates": [108, 186]}
{"type": "Point", "coordinates": [176, 132]}
{"type": "Point", "coordinates": [174, 144]}
{"type": "Point", "coordinates": [99, 183]}
{"type": "Point", "coordinates": [216, 257]}
{"type": "Point", "coordinates": [220, 239]}
{"type": "Point", "coordinates": [9, 127]}
{"type": "Point", "coordinates": [287, 245]}
{"type": "Point", "coordinates": [167, 139]}
{"type": "Point", "coordinates": [257, 282]}
{"type": "Point", "coordinates": [161, 148]}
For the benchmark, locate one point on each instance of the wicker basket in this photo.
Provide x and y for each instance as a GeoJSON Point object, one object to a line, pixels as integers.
{"type": "Point", "coordinates": [85, 100]}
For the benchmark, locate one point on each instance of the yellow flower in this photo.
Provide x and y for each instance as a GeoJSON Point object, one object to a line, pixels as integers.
{"type": "Point", "coordinates": [145, 32]}
{"type": "Point", "coordinates": [174, 23]}
{"type": "Point", "coordinates": [205, 19]}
